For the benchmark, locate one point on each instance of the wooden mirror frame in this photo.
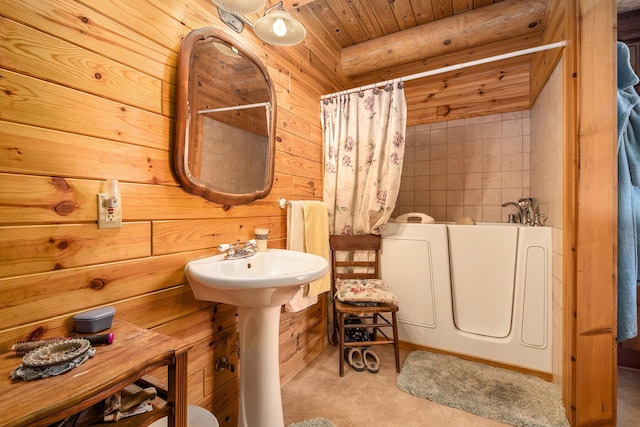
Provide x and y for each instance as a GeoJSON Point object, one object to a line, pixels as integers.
{"type": "Point", "coordinates": [183, 121]}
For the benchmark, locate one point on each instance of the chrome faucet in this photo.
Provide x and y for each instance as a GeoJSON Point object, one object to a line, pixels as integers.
{"type": "Point", "coordinates": [518, 217]}
{"type": "Point", "coordinates": [526, 210]}
{"type": "Point", "coordinates": [526, 207]}
{"type": "Point", "coordinates": [526, 213]}
{"type": "Point", "coordinates": [236, 252]}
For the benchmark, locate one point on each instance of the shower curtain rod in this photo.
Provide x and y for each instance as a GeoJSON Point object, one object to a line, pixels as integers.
{"type": "Point", "coordinates": [454, 67]}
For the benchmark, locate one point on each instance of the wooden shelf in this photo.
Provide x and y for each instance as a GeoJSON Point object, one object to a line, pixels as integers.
{"type": "Point", "coordinates": [160, 410]}
{"type": "Point", "coordinates": [134, 353]}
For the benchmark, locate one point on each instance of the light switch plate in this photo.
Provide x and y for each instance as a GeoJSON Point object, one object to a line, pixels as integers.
{"type": "Point", "coordinates": [108, 217]}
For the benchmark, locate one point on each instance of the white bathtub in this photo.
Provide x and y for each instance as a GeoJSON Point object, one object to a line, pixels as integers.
{"type": "Point", "coordinates": [479, 290]}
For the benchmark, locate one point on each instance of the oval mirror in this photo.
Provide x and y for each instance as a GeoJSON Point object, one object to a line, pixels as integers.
{"type": "Point", "coordinates": [225, 120]}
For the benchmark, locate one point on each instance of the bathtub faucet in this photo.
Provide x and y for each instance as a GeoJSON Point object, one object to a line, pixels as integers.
{"type": "Point", "coordinates": [518, 217]}
{"type": "Point", "coordinates": [527, 209]}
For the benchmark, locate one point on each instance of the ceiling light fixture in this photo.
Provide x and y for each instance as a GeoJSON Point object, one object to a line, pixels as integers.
{"type": "Point", "coordinates": [275, 27]}
{"type": "Point", "coordinates": [278, 27]}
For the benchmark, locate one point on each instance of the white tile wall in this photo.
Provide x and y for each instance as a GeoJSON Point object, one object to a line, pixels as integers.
{"type": "Point", "coordinates": [466, 167]}
{"type": "Point", "coordinates": [547, 189]}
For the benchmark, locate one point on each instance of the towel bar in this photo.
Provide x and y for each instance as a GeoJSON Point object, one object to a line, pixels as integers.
{"type": "Point", "coordinates": [283, 203]}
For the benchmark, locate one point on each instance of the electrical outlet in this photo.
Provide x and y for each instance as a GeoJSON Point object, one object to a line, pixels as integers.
{"type": "Point", "coordinates": [109, 212]}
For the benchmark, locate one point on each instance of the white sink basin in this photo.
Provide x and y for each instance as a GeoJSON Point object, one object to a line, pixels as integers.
{"type": "Point", "coordinates": [258, 286]}
{"type": "Point", "coordinates": [265, 279]}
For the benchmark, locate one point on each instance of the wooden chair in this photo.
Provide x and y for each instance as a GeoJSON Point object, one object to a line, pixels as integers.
{"type": "Point", "coordinates": [371, 315]}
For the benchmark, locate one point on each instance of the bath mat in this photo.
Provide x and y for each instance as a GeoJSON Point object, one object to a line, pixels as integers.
{"type": "Point", "coordinates": [316, 422]}
{"type": "Point", "coordinates": [495, 393]}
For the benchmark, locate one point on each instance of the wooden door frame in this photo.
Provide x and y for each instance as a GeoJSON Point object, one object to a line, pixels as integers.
{"type": "Point", "coordinates": [590, 251]}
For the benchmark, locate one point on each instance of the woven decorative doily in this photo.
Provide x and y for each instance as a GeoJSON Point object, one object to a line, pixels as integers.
{"type": "Point", "coordinates": [57, 352]}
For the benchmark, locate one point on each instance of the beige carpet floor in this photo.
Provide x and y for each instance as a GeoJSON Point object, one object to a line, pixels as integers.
{"type": "Point", "coordinates": [362, 399]}
{"type": "Point", "coordinates": [628, 397]}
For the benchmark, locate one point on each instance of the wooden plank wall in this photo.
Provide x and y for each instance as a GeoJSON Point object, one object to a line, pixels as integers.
{"type": "Point", "coordinates": [570, 180]}
{"type": "Point", "coordinates": [487, 89]}
{"type": "Point", "coordinates": [543, 63]}
{"type": "Point", "coordinates": [87, 93]}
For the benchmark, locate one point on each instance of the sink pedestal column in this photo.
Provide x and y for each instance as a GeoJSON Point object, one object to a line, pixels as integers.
{"type": "Point", "coordinates": [258, 286]}
{"type": "Point", "coordinates": [260, 397]}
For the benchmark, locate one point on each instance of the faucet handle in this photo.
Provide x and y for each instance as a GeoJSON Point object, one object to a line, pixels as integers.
{"type": "Point", "coordinates": [251, 244]}
{"type": "Point", "coordinates": [228, 247]}
{"type": "Point", "coordinates": [539, 220]}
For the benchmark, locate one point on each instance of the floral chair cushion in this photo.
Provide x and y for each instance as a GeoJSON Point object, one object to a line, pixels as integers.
{"type": "Point", "coordinates": [356, 291]}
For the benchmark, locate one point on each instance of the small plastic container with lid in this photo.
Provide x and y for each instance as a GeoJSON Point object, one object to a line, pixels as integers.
{"type": "Point", "coordinates": [95, 320]}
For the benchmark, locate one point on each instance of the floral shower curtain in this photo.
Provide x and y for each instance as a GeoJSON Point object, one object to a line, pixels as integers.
{"type": "Point", "coordinates": [364, 140]}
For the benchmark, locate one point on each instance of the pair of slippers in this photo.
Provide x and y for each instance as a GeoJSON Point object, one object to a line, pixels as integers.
{"type": "Point", "coordinates": [363, 359]}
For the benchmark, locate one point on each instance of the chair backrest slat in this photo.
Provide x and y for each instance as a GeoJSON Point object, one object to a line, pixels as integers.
{"type": "Point", "coordinates": [355, 264]}
{"type": "Point", "coordinates": [356, 276]}
{"type": "Point", "coordinates": [358, 242]}
{"type": "Point", "coordinates": [354, 269]}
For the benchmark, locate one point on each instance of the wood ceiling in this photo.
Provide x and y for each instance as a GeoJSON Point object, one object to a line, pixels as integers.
{"type": "Point", "coordinates": [384, 39]}
{"type": "Point", "coordinates": [355, 21]}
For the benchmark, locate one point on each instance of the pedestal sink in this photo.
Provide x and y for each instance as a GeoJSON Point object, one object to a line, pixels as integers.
{"type": "Point", "coordinates": [258, 286]}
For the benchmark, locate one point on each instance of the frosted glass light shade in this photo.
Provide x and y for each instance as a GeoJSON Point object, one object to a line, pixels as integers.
{"type": "Point", "coordinates": [264, 28]}
{"type": "Point", "coordinates": [241, 7]}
